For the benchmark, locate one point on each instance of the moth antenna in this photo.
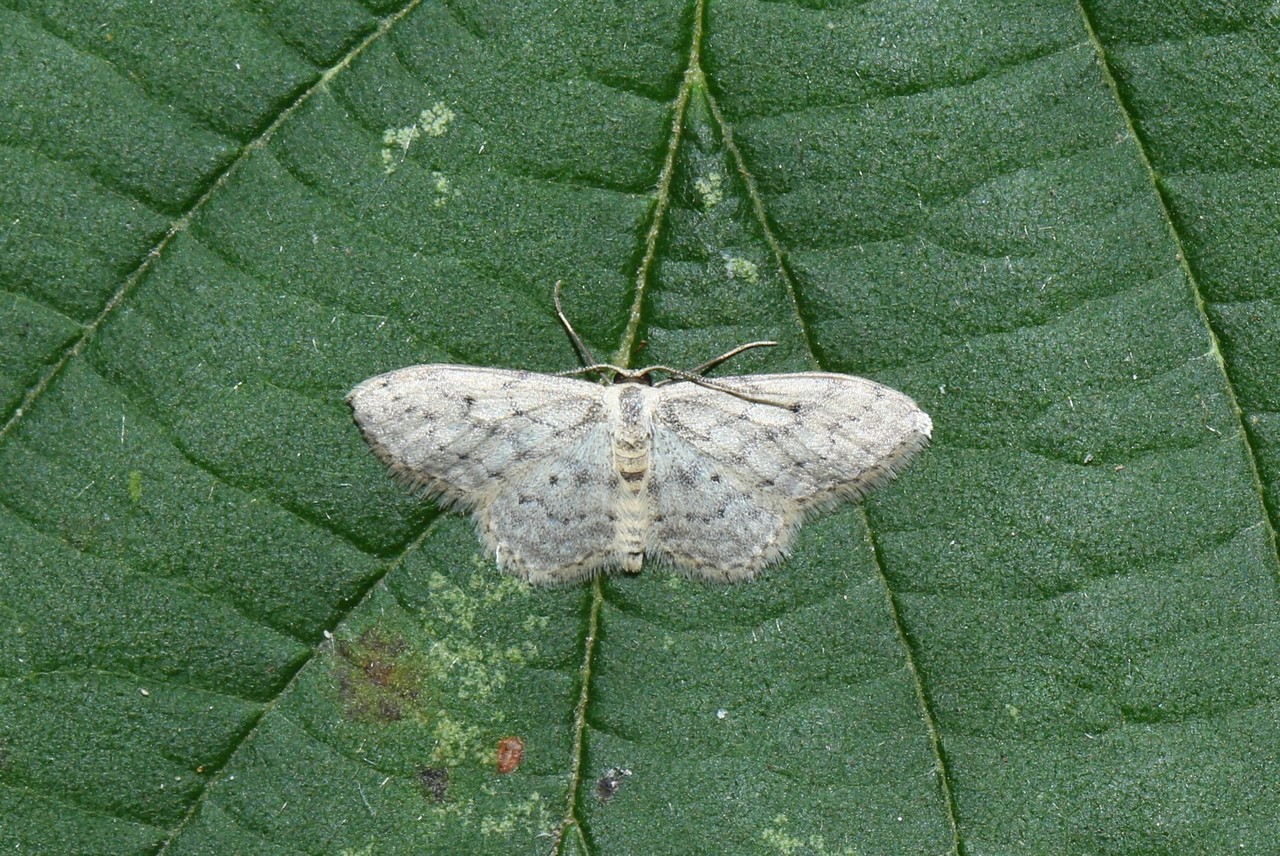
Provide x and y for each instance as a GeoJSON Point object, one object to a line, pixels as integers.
{"type": "Point", "coordinates": [719, 387]}
{"type": "Point", "coordinates": [603, 367]}
{"type": "Point", "coordinates": [710, 364]}
{"type": "Point", "coordinates": [584, 353]}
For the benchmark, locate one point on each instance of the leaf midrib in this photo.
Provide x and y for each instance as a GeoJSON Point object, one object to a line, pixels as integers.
{"type": "Point", "coordinates": [694, 83]}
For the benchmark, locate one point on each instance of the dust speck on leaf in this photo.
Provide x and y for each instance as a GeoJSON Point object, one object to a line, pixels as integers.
{"type": "Point", "coordinates": [609, 784]}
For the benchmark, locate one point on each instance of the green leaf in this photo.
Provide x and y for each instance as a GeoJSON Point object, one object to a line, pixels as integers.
{"type": "Point", "coordinates": [1053, 224]}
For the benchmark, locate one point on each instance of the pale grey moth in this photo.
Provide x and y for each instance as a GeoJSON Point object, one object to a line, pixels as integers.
{"type": "Point", "coordinates": [567, 478]}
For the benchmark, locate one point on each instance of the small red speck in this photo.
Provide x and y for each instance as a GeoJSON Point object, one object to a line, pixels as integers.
{"type": "Point", "coordinates": [510, 754]}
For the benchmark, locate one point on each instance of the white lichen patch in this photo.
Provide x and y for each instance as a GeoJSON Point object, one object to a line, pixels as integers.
{"type": "Point", "coordinates": [473, 668]}
{"type": "Point", "coordinates": [536, 623]}
{"type": "Point", "coordinates": [790, 844]}
{"type": "Point", "coordinates": [529, 815]}
{"type": "Point", "coordinates": [736, 267]}
{"type": "Point", "coordinates": [455, 742]}
{"type": "Point", "coordinates": [444, 190]}
{"type": "Point", "coordinates": [468, 667]}
{"type": "Point", "coordinates": [366, 850]}
{"type": "Point", "coordinates": [710, 188]}
{"type": "Point", "coordinates": [435, 120]}
{"type": "Point", "coordinates": [432, 122]}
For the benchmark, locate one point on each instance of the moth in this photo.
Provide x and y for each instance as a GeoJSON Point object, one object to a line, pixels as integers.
{"type": "Point", "coordinates": [568, 478]}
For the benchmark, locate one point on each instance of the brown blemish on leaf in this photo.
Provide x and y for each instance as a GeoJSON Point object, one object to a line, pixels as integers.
{"type": "Point", "coordinates": [434, 782]}
{"type": "Point", "coordinates": [378, 680]}
{"type": "Point", "coordinates": [510, 754]}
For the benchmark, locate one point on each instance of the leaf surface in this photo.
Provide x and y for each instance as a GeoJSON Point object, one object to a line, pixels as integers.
{"type": "Point", "coordinates": [1052, 224]}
